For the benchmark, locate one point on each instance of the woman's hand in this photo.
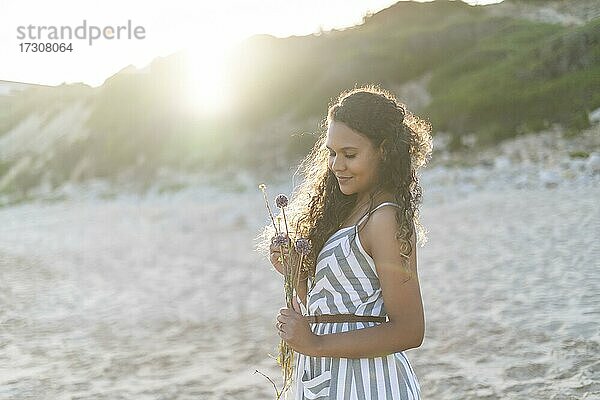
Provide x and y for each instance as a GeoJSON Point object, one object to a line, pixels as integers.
{"type": "Point", "coordinates": [295, 330]}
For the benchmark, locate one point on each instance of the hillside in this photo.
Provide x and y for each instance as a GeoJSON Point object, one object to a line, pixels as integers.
{"type": "Point", "coordinates": [481, 74]}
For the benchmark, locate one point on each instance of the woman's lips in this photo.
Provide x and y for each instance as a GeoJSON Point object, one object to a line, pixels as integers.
{"type": "Point", "coordinates": [344, 180]}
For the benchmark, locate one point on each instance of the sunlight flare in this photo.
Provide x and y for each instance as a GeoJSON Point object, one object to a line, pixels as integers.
{"type": "Point", "coordinates": [207, 92]}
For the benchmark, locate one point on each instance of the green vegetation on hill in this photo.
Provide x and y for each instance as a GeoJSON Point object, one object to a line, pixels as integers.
{"type": "Point", "coordinates": [523, 78]}
{"type": "Point", "coordinates": [493, 77]}
{"type": "Point", "coordinates": [301, 74]}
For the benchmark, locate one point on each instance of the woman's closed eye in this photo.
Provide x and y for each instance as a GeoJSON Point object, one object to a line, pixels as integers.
{"type": "Point", "coordinates": [347, 155]}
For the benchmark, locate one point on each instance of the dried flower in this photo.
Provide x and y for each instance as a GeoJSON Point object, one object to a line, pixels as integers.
{"type": "Point", "coordinates": [281, 200]}
{"type": "Point", "coordinates": [303, 246]}
{"type": "Point", "coordinates": [280, 239]}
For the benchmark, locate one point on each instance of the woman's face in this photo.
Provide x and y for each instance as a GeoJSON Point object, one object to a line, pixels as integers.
{"type": "Point", "coordinates": [352, 156]}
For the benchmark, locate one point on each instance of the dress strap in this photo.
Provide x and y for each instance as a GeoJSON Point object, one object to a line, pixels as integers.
{"type": "Point", "coordinates": [381, 205]}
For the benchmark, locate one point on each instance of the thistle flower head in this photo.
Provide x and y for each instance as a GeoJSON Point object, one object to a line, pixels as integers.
{"type": "Point", "coordinates": [280, 239]}
{"type": "Point", "coordinates": [281, 200]}
{"type": "Point", "coordinates": [303, 246]}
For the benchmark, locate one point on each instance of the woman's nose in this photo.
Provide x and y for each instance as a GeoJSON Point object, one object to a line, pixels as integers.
{"type": "Point", "coordinates": [337, 164]}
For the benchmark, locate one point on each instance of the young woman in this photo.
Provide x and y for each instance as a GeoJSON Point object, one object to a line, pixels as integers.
{"type": "Point", "coordinates": [359, 304]}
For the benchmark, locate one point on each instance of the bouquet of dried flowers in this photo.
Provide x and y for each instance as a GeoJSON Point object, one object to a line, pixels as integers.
{"type": "Point", "coordinates": [292, 272]}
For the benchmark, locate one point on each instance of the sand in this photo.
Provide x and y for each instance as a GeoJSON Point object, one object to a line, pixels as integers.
{"type": "Point", "coordinates": [163, 297]}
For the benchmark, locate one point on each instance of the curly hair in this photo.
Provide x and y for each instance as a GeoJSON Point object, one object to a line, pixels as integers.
{"type": "Point", "coordinates": [318, 207]}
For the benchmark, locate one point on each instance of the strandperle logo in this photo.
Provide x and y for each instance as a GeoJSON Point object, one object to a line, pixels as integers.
{"type": "Point", "coordinates": [87, 32]}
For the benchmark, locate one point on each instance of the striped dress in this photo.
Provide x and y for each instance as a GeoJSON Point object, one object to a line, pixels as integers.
{"type": "Point", "coordinates": [346, 282]}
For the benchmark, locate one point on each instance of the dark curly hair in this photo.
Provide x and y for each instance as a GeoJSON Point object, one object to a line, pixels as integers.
{"type": "Point", "coordinates": [318, 207]}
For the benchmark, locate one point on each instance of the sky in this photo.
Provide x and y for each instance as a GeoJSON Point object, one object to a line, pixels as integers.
{"type": "Point", "coordinates": [205, 29]}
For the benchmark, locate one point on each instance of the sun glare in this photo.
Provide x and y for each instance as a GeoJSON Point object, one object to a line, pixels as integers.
{"type": "Point", "coordinates": [208, 91]}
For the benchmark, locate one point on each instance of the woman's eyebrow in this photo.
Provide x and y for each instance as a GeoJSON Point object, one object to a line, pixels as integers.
{"type": "Point", "coordinates": [344, 148]}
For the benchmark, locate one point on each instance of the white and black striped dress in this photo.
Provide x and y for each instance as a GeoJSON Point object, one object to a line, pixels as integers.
{"type": "Point", "coordinates": [346, 282]}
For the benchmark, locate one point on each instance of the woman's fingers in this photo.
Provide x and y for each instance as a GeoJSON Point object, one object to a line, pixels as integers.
{"type": "Point", "coordinates": [278, 248]}
{"type": "Point", "coordinates": [277, 252]}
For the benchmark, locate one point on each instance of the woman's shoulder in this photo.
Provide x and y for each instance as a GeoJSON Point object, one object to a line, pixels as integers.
{"type": "Point", "coordinates": [380, 223]}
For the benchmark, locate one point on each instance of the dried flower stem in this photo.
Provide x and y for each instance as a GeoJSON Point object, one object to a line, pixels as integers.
{"type": "Point", "coordinates": [285, 222]}
{"type": "Point", "coordinates": [299, 271]}
{"type": "Point", "coordinates": [271, 380]}
{"type": "Point", "coordinates": [263, 188]}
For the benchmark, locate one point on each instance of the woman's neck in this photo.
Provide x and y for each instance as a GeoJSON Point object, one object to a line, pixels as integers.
{"type": "Point", "coordinates": [378, 197]}
{"type": "Point", "coordinates": [363, 206]}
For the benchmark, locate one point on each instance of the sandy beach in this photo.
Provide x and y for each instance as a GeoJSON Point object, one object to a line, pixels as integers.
{"type": "Point", "coordinates": [164, 297]}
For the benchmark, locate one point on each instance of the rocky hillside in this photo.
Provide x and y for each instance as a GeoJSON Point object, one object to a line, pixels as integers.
{"type": "Point", "coordinates": [481, 74]}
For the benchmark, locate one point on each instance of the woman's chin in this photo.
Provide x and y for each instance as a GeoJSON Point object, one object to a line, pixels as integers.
{"type": "Point", "coordinates": [345, 190]}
